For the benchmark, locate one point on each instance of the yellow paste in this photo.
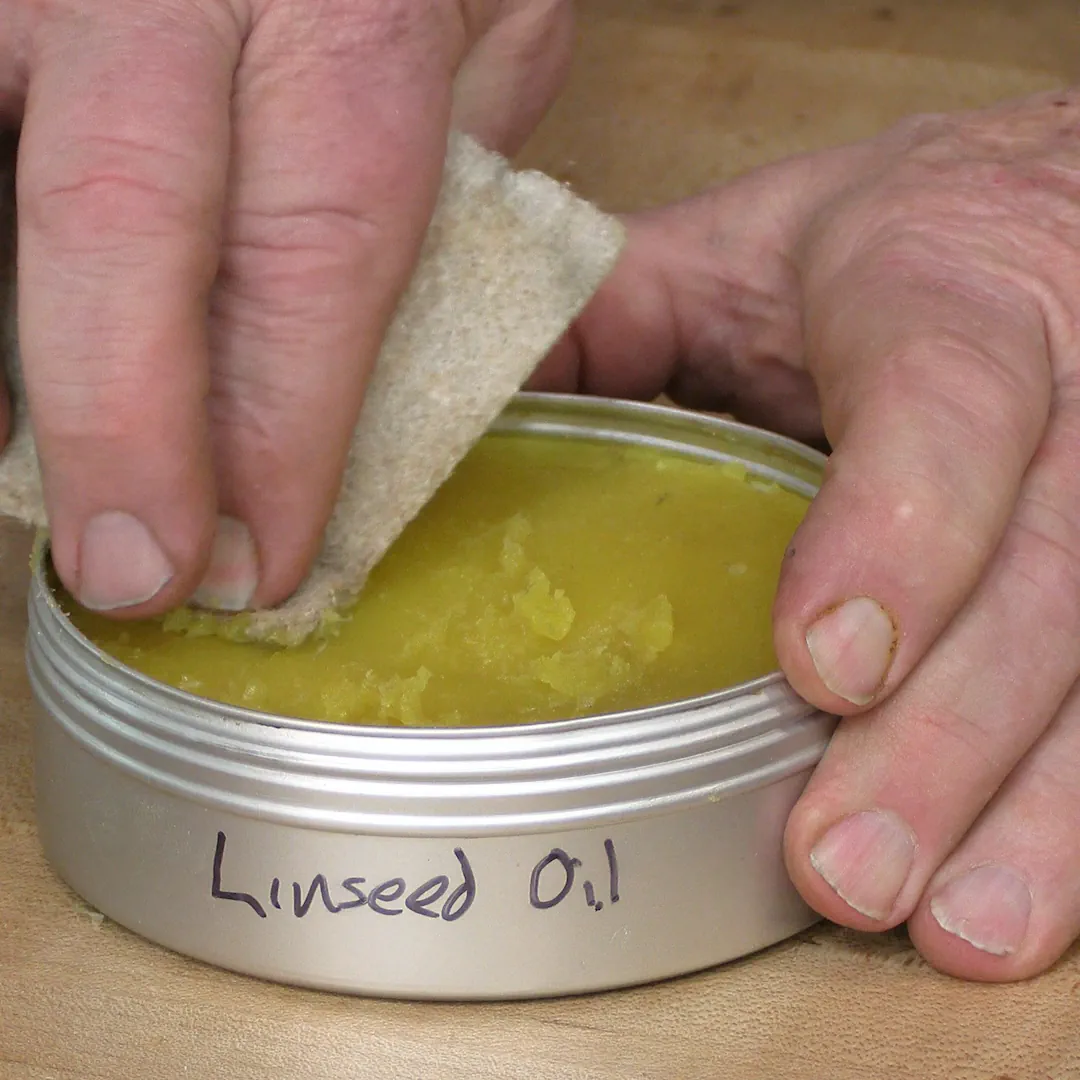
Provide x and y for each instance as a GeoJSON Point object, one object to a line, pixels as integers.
{"type": "Point", "coordinates": [549, 578]}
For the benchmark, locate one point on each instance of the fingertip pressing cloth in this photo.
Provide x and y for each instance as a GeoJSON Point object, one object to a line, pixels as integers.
{"type": "Point", "coordinates": [509, 261]}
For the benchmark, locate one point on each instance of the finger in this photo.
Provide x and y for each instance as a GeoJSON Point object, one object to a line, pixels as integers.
{"type": "Point", "coordinates": [705, 303]}
{"type": "Point", "coordinates": [121, 179]}
{"type": "Point", "coordinates": [1006, 904]}
{"type": "Point", "coordinates": [688, 314]}
{"type": "Point", "coordinates": [514, 72]}
{"type": "Point", "coordinates": [628, 340]}
{"type": "Point", "coordinates": [934, 394]}
{"type": "Point", "coordinates": [900, 787]}
{"type": "Point", "coordinates": [340, 136]}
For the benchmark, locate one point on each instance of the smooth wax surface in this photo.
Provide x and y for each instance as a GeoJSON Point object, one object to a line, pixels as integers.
{"type": "Point", "coordinates": [549, 578]}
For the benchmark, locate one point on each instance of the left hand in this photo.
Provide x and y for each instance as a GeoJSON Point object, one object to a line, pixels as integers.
{"type": "Point", "coordinates": [220, 205]}
{"type": "Point", "coordinates": [916, 298]}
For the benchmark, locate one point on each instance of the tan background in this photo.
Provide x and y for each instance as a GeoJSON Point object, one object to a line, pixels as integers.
{"type": "Point", "coordinates": [665, 98]}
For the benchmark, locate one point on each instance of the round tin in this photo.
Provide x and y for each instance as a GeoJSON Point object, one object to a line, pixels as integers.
{"type": "Point", "coordinates": [499, 862]}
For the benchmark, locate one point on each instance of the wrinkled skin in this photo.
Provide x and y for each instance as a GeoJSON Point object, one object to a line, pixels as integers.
{"type": "Point", "coordinates": [924, 288]}
{"type": "Point", "coordinates": [220, 203]}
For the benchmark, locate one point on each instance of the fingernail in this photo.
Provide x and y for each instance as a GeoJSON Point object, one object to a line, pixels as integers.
{"type": "Point", "coordinates": [120, 563]}
{"type": "Point", "coordinates": [988, 907]}
{"type": "Point", "coordinates": [866, 859]}
{"type": "Point", "coordinates": [852, 647]}
{"type": "Point", "coordinates": [233, 571]}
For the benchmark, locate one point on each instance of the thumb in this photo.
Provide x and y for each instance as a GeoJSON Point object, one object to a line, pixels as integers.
{"type": "Point", "coordinates": [934, 399]}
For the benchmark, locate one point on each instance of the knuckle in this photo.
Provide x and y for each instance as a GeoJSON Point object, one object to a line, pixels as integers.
{"type": "Point", "coordinates": [83, 442]}
{"type": "Point", "coordinates": [324, 233]}
{"type": "Point", "coordinates": [338, 31]}
{"type": "Point", "coordinates": [85, 407]}
{"type": "Point", "coordinates": [957, 736]}
{"type": "Point", "coordinates": [293, 267]}
{"type": "Point", "coordinates": [995, 235]}
{"type": "Point", "coordinates": [99, 193]}
{"type": "Point", "coordinates": [980, 400]}
{"type": "Point", "coordinates": [938, 399]}
{"type": "Point", "coordinates": [287, 447]}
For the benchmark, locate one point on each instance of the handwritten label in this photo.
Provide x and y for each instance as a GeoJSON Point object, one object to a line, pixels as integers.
{"type": "Point", "coordinates": [550, 887]}
{"type": "Point", "coordinates": [554, 879]}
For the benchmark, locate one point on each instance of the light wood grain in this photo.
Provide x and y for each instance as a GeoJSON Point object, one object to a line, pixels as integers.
{"type": "Point", "coordinates": [665, 98]}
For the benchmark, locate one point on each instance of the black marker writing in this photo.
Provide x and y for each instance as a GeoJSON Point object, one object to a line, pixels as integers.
{"type": "Point", "coordinates": [218, 893]}
{"type": "Point", "coordinates": [613, 870]}
{"type": "Point", "coordinates": [351, 885]}
{"type": "Point", "coordinates": [465, 892]}
{"type": "Point", "coordinates": [386, 893]}
{"type": "Point", "coordinates": [389, 897]}
{"type": "Point", "coordinates": [554, 875]}
{"type": "Point", "coordinates": [431, 892]}
{"type": "Point", "coordinates": [590, 897]}
{"type": "Point", "coordinates": [552, 880]}
{"type": "Point", "coordinates": [302, 907]}
{"type": "Point", "coordinates": [556, 855]}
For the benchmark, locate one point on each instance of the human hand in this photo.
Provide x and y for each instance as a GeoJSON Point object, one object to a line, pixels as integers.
{"type": "Point", "coordinates": [220, 203]}
{"type": "Point", "coordinates": [925, 288]}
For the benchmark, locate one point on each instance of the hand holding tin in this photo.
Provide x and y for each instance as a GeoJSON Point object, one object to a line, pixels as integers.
{"type": "Point", "coordinates": [922, 289]}
{"type": "Point", "coordinates": [221, 204]}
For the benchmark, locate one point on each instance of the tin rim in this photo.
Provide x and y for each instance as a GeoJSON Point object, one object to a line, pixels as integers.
{"type": "Point", "coordinates": [466, 781]}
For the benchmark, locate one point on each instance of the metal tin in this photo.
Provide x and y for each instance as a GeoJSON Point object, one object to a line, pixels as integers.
{"type": "Point", "coordinates": [500, 862]}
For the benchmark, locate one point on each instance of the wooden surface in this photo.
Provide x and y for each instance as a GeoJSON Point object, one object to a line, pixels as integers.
{"type": "Point", "coordinates": [665, 98]}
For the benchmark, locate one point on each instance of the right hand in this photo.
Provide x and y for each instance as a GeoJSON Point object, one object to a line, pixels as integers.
{"type": "Point", "coordinates": [916, 298]}
{"type": "Point", "coordinates": [220, 204]}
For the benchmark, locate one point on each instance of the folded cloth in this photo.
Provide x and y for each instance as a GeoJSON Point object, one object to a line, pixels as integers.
{"type": "Point", "coordinates": [509, 260]}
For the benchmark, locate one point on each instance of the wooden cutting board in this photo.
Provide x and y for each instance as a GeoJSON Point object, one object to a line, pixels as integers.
{"type": "Point", "coordinates": [664, 99]}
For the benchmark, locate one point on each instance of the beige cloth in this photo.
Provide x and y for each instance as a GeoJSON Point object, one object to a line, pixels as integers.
{"type": "Point", "coordinates": [509, 260]}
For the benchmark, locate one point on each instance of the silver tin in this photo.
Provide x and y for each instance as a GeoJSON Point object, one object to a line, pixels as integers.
{"type": "Point", "coordinates": [504, 862]}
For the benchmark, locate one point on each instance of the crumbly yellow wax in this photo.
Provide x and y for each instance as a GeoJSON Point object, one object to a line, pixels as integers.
{"type": "Point", "coordinates": [549, 578]}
